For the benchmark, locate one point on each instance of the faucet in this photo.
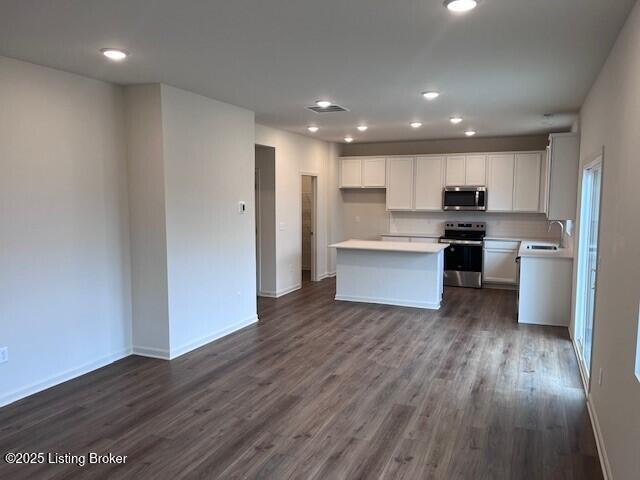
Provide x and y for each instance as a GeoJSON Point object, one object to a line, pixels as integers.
{"type": "Point", "coordinates": [561, 245]}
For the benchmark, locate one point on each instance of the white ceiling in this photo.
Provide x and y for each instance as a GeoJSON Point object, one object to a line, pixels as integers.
{"type": "Point", "coordinates": [501, 66]}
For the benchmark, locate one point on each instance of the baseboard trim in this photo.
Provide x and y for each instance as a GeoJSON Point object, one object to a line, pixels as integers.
{"type": "Point", "coordinates": [188, 347]}
{"type": "Point", "coordinates": [143, 351]}
{"type": "Point", "coordinates": [595, 424]}
{"type": "Point", "coordinates": [266, 293]}
{"type": "Point", "coordinates": [65, 376]}
{"type": "Point", "coordinates": [151, 352]}
{"type": "Point", "coordinates": [327, 275]}
{"type": "Point", "coordinates": [602, 451]}
{"type": "Point", "coordinates": [279, 293]}
{"type": "Point", "coordinates": [389, 301]}
{"type": "Point", "coordinates": [499, 286]}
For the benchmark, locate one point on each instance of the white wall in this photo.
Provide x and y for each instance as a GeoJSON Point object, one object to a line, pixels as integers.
{"type": "Point", "coordinates": [266, 169]}
{"type": "Point", "coordinates": [610, 118]}
{"type": "Point", "coordinates": [209, 169]}
{"type": "Point", "coordinates": [296, 154]}
{"type": "Point", "coordinates": [525, 225]}
{"type": "Point", "coordinates": [147, 213]}
{"type": "Point", "coordinates": [65, 304]}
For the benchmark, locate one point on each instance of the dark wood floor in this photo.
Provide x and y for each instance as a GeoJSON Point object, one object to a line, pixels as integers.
{"type": "Point", "coordinates": [325, 390]}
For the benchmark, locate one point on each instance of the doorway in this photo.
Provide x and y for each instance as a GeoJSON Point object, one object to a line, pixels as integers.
{"type": "Point", "coordinates": [588, 262]}
{"type": "Point", "coordinates": [265, 211]}
{"type": "Point", "coordinates": [308, 201]}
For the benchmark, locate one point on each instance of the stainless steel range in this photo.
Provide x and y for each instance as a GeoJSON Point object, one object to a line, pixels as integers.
{"type": "Point", "coordinates": [463, 257]}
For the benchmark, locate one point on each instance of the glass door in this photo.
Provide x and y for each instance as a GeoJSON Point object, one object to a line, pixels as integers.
{"type": "Point", "coordinates": [588, 261]}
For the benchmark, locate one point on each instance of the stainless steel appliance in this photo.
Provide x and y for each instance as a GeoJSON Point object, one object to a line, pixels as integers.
{"type": "Point", "coordinates": [463, 256]}
{"type": "Point", "coordinates": [464, 198]}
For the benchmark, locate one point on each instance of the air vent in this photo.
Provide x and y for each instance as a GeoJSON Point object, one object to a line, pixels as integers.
{"type": "Point", "coordinates": [329, 109]}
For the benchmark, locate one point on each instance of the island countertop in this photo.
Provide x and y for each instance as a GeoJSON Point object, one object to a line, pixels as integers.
{"type": "Point", "coordinates": [390, 246]}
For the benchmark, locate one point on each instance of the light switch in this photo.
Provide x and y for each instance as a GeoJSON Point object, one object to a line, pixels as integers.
{"type": "Point", "coordinates": [283, 226]}
{"type": "Point", "coordinates": [242, 207]}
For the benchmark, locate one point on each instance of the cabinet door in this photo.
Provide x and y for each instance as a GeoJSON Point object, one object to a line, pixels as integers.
{"type": "Point", "coordinates": [526, 188]}
{"type": "Point", "coordinates": [455, 170]}
{"type": "Point", "coordinates": [564, 161]}
{"type": "Point", "coordinates": [476, 170]}
{"type": "Point", "coordinates": [374, 172]}
{"type": "Point", "coordinates": [500, 182]}
{"type": "Point", "coordinates": [428, 185]}
{"type": "Point", "coordinates": [500, 266]}
{"type": "Point", "coordinates": [400, 183]}
{"type": "Point", "coordinates": [351, 172]}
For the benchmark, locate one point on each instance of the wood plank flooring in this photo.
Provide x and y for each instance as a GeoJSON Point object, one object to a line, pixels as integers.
{"type": "Point", "coordinates": [329, 390]}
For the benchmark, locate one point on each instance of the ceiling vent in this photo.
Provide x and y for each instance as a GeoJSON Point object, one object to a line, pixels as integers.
{"type": "Point", "coordinates": [329, 109]}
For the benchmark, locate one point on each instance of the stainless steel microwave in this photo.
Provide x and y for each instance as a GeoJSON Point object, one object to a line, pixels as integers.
{"type": "Point", "coordinates": [464, 198]}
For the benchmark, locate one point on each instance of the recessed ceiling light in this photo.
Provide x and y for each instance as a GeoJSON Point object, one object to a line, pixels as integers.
{"type": "Point", "coordinates": [313, 128]}
{"type": "Point", "coordinates": [323, 103]}
{"type": "Point", "coordinates": [114, 54]}
{"type": "Point", "coordinates": [470, 133]}
{"type": "Point", "coordinates": [431, 95]}
{"type": "Point", "coordinates": [460, 6]}
{"type": "Point", "coordinates": [415, 124]}
{"type": "Point", "coordinates": [348, 139]}
{"type": "Point", "coordinates": [362, 128]}
{"type": "Point", "coordinates": [455, 120]}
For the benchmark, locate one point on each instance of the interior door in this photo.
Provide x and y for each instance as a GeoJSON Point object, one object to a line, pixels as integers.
{"type": "Point", "coordinates": [588, 262]}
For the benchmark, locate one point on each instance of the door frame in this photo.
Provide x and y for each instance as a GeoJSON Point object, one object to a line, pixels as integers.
{"type": "Point", "coordinates": [314, 222]}
{"type": "Point", "coordinates": [258, 227]}
{"type": "Point", "coordinates": [587, 375]}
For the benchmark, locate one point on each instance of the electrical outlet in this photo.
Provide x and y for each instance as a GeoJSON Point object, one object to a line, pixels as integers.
{"type": "Point", "coordinates": [4, 354]}
{"type": "Point", "coordinates": [600, 375]}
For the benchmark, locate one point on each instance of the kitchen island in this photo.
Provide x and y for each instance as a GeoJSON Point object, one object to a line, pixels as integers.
{"type": "Point", "coordinates": [392, 273]}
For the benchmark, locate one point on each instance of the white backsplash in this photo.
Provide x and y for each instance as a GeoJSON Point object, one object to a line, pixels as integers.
{"type": "Point", "coordinates": [524, 225]}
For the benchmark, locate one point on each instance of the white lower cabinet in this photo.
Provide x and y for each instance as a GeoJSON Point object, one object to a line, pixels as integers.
{"type": "Point", "coordinates": [545, 291]}
{"type": "Point", "coordinates": [499, 262]}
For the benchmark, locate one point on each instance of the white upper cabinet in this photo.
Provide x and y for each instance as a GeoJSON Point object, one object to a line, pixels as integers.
{"type": "Point", "coordinates": [455, 174]}
{"type": "Point", "coordinates": [500, 182]}
{"type": "Point", "coordinates": [428, 184]}
{"type": "Point", "coordinates": [526, 189]}
{"type": "Point", "coordinates": [374, 172]}
{"type": "Point", "coordinates": [400, 172]}
{"type": "Point", "coordinates": [476, 170]}
{"type": "Point", "coordinates": [515, 181]}
{"type": "Point", "coordinates": [562, 176]}
{"type": "Point", "coordinates": [350, 173]}
{"type": "Point", "coordinates": [363, 172]}
{"type": "Point", "coordinates": [465, 170]}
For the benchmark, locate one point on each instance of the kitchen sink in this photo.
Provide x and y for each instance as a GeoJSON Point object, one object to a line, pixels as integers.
{"type": "Point", "coordinates": [542, 247]}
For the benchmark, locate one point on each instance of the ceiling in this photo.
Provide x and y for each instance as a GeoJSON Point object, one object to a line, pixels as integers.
{"type": "Point", "coordinates": [501, 66]}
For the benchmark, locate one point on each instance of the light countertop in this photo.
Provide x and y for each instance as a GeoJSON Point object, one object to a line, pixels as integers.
{"type": "Point", "coordinates": [561, 253]}
{"type": "Point", "coordinates": [390, 246]}
{"type": "Point", "coordinates": [511, 238]}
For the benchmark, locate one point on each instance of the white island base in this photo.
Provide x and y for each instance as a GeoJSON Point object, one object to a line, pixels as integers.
{"type": "Point", "coordinates": [391, 273]}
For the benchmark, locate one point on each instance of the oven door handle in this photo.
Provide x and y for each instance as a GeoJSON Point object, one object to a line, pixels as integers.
{"type": "Point", "coordinates": [478, 243]}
